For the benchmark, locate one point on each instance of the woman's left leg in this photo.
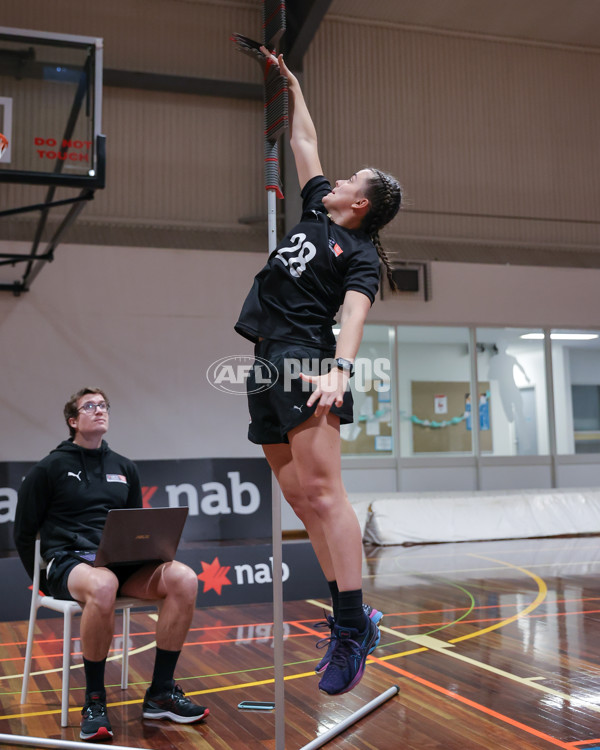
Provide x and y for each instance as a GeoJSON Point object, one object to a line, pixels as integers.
{"type": "Point", "coordinates": [316, 454]}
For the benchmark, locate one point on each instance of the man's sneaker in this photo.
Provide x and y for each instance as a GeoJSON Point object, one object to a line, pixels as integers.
{"type": "Point", "coordinates": [348, 657]}
{"type": "Point", "coordinates": [172, 704]}
{"type": "Point", "coordinates": [95, 724]}
{"type": "Point", "coordinates": [374, 614]}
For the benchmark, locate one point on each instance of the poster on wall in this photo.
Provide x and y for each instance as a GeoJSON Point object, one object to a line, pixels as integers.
{"type": "Point", "coordinates": [437, 431]}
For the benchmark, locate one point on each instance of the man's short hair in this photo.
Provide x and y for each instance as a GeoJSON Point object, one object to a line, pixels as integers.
{"type": "Point", "coordinates": [70, 410]}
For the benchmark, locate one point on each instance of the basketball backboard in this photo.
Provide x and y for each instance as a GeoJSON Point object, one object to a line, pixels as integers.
{"type": "Point", "coordinates": [50, 108]}
{"type": "Point", "coordinates": [51, 114]}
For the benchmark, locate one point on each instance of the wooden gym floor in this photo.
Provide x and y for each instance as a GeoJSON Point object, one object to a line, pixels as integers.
{"type": "Point", "coordinates": [493, 644]}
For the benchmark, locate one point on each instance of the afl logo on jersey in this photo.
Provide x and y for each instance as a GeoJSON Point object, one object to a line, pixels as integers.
{"type": "Point", "coordinates": [241, 374]}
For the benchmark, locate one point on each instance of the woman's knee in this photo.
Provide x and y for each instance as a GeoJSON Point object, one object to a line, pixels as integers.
{"type": "Point", "coordinates": [317, 503]}
{"type": "Point", "coordinates": [298, 501]}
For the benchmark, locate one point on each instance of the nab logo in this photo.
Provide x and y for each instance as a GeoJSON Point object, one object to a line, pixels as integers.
{"type": "Point", "coordinates": [214, 576]}
{"type": "Point", "coordinates": [242, 499]}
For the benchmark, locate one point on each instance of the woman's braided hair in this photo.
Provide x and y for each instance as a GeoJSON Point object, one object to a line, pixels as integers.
{"type": "Point", "coordinates": [385, 196]}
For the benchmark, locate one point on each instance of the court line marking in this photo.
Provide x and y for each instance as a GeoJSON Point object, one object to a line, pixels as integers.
{"type": "Point", "coordinates": [206, 629]}
{"type": "Point", "coordinates": [541, 595]}
{"type": "Point", "coordinates": [473, 704]}
{"type": "Point", "coordinates": [134, 651]}
{"type": "Point", "coordinates": [434, 644]}
{"type": "Point", "coordinates": [428, 643]}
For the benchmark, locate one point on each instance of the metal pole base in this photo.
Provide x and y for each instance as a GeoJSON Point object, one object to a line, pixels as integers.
{"type": "Point", "coordinates": [352, 719]}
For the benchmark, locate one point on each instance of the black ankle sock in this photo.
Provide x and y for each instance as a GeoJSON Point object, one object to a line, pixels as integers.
{"type": "Point", "coordinates": [334, 597]}
{"type": "Point", "coordinates": [164, 669]}
{"type": "Point", "coordinates": [350, 610]}
{"type": "Point", "coordinates": [94, 676]}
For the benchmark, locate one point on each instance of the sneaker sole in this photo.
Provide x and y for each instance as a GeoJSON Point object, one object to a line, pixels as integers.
{"type": "Point", "coordinates": [103, 734]}
{"type": "Point", "coordinates": [175, 717]}
{"type": "Point", "coordinates": [376, 617]}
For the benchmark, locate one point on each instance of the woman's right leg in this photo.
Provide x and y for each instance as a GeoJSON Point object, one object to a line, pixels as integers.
{"type": "Point", "coordinates": [280, 460]}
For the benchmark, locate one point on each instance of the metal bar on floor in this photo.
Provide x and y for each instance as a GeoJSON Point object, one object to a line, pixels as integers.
{"type": "Point", "coordinates": [14, 739]}
{"type": "Point", "coordinates": [352, 719]}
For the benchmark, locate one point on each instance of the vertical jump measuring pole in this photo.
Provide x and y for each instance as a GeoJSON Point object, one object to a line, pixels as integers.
{"type": "Point", "coordinates": [275, 123]}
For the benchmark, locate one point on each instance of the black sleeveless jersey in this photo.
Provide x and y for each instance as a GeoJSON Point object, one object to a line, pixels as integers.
{"type": "Point", "coordinates": [298, 293]}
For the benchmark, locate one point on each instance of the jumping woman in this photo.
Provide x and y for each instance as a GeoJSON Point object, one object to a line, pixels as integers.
{"type": "Point", "coordinates": [331, 258]}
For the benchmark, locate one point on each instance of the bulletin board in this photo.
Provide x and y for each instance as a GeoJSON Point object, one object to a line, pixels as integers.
{"type": "Point", "coordinates": [371, 432]}
{"type": "Point", "coordinates": [441, 402]}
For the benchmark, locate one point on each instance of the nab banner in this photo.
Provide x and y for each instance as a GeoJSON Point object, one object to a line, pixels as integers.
{"type": "Point", "coordinates": [243, 574]}
{"type": "Point", "coordinates": [228, 498]}
{"type": "Point", "coordinates": [228, 574]}
{"type": "Point", "coordinates": [11, 476]}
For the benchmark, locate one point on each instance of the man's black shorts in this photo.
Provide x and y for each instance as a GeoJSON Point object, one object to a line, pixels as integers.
{"type": "Point", "coordinates": [63, 563]}
{"type": "Point", "coordinates": [277, 409]}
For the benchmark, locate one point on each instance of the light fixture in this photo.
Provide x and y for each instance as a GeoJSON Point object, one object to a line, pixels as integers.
{"type": "Point", "coordinates": [562, 336]}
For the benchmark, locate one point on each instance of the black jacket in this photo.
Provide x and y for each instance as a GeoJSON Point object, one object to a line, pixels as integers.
{"type": "Point", "coordinates": [66, 496]}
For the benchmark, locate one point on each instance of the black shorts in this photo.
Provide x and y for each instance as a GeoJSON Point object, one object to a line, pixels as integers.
{"type": "Point", "coordinates": [63, 563]}
{"type": "Point", "coordinates": [277, 409]}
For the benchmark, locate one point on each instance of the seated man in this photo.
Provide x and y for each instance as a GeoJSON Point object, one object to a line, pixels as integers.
{"type": "Point", "coordinates": [65, 499]}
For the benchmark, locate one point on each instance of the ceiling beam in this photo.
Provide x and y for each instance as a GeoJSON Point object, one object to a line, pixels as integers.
{"type": "Point", "coordinates": [303, 19]}
{"type": "Point", "coordinates": [182, 84]}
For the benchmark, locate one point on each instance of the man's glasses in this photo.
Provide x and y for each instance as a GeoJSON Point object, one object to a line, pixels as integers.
{"type": "Point", "coordinates": [90, 407]}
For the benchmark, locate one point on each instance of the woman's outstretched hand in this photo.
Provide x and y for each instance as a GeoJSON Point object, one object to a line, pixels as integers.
{"type": "Point", "coordinates": [329, 389]}
{"type": "Point", "coordinates": [279, 61]}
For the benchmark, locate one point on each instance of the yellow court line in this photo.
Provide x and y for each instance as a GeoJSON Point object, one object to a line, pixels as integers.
{"type": "Point", "coordinates": [541, 595]}
{"type": "Point", "coordinates": [208, 691]}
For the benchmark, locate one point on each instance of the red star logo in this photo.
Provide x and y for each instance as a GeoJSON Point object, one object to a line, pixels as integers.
{"type": "Point", "coordinates": [214, 576]}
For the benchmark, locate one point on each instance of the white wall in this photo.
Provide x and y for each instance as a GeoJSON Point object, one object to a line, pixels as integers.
{"type": "Point", "coordinates": [145, 324]}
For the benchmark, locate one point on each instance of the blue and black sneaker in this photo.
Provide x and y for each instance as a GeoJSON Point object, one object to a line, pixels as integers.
{"type": "Point", "coordinates": [374, 614]}
{"type": "Point", "coordinates": [349, 653]}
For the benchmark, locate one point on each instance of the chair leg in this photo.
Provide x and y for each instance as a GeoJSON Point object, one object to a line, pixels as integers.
{"type": "Point", "coordinates": [66, 670]}
{"type": "Point", "coordinates": [29, 649]}
{"type": "Point", "coordinates": [125, 652]}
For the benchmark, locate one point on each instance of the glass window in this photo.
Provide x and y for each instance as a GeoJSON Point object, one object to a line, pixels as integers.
{"type": "Point", "coordinates": [434, 376]}
{"type": "Point", "coordinates": [576, 375]}
{"type": "Point", "coordinates": [372, 432]}
{"type": "Point", "coordinates": [511, 361]}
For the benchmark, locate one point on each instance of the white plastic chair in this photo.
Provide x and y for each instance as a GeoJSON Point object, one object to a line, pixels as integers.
{"type": "Point", "coordinates": [70, 608]}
